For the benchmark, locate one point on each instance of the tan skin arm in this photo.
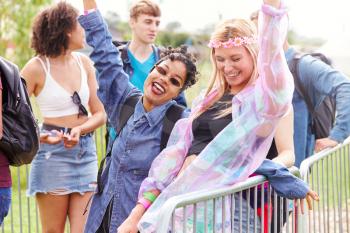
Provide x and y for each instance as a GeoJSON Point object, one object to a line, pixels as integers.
{"type": "Point", "coordinates": [89, 4]}
{"type": "Point", "coordinates": [130, 224]}
{"type": "Point", "coordinates": [98, 113]}
{"type": "Point", "coordinates": [284, 140]}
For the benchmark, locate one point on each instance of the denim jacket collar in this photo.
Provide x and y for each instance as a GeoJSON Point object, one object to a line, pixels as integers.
{"type": "Point", "coordinates": [155, 116]}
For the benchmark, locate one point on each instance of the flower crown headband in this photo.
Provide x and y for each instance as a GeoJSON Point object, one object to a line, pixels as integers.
{"type": "Point", "coordinates": [233, 42]}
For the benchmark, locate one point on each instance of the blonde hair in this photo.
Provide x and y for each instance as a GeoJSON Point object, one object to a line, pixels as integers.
{"type": "Point", "coordinates": [146, 7]}
{"type": "Point", "coordinates": [230, 29]}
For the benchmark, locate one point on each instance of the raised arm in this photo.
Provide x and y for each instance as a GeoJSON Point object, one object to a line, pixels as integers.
{"type": "Point", "coordinates": [114, 86]}
{"type": "Point", "coordinates": [274, 87]}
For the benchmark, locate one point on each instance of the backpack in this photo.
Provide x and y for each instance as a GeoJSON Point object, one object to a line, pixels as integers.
{"type": "Point", "coordinates": [172, 115]}
{"type": "Point", "coordinates": [123, 49]}
{"type": "Point", "coordinates": [322, 117]}
{"type": "Point", "coordinates": [21, 137]}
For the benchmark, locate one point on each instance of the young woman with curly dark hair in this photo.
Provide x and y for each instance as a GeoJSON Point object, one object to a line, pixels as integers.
{"type": "Point", "coordinates": [138, 143]}
{"type": "Point", "coordinates": [63, 173]}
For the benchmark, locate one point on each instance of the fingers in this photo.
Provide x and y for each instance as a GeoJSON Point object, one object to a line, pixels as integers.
{"type": "Point", "coordinates": [43, 136]}
{"type": "Point", "coordinates": [309, 202]}
{"type": "Point", "coordinates": [313, 195]}
{"type": "Point", "coordinates": [302, 206]}
{"type": "Point", "coordinates": [70, 140]}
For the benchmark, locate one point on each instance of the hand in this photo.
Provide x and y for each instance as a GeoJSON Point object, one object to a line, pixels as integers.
{"type": "Point", "coordinates": [128, 226]}
{"type": "Point", "coordinates": [324, 143]}
{"type": "Point", "coordinates": [274, 3]}
{"type": "Point", "coordinates": [72, 139]}
{"type": "Point", "coordinates": [311, 195]}
{"type": "Point", "coordinates": [53, 137]}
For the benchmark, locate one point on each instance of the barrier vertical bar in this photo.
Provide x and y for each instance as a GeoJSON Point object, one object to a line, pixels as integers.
{"type": "Point", "coordinates": [346, 183]}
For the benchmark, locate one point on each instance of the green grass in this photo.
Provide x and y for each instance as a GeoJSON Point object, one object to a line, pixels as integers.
{"type": "Point", "coordinates": [330, 178]}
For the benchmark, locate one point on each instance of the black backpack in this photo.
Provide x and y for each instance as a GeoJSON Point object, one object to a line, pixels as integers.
{"type": "Point", "coordinates": [20, 141]}
{"type": "Point", "coordinates": [172, 115]}
{"type": "Point", "coordinates": [323, 116]}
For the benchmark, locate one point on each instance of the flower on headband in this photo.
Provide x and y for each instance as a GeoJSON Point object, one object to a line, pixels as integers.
{"type": "Point", "coordinates": [232, 42]}
{"type": "Point", "coordinates": [238, 41]}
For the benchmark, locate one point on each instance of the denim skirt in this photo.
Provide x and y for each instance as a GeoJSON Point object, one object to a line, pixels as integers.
{"type": "Point", "coordinates": [58, 170]}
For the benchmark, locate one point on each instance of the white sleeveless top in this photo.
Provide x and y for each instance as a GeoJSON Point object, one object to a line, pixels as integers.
{"type": "Point", "coordinates": [54, 100]}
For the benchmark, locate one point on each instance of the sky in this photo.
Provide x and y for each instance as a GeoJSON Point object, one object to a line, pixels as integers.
{"type": "Point", "coordinates": [311, 18]}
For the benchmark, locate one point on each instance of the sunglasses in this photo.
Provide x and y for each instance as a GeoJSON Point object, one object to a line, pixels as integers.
{"type": "Point", "coordinates": [76, 99]}
{"type": "Point", "coordinates": [172, 80]}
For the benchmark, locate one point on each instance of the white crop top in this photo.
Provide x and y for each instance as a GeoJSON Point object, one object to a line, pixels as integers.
{"type": "Point", "coordinates": [54, 100]}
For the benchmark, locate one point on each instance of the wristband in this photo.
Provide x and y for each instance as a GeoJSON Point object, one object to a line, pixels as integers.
{"type": "Point", "coordinates": [149, 196]}
{"type": "Point", "coordinates": [146, 203]}
{"type": "Point", "coordinates": [86, 12]}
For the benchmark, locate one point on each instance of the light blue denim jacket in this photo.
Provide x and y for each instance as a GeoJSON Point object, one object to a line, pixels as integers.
{"type": "Point", "coordinates": [321, 80]}
{"type": "Point", "coordinates": [139, 141]}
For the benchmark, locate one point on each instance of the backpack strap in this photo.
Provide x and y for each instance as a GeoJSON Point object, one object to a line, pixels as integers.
{"type": "Point", "coordinates": [122, 46]}
{"type": "Point", "coordinates": [172, 115]}
{"type": "Point", "coordinates": [157, 51]}
{"type": "Point", "coordinates": [126, 111]}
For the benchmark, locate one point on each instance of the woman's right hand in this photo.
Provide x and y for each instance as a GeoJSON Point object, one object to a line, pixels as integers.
{"type": "Point", "coordinates": [53, 137]}
{"type": "Point", "coordinates": [311, 195]}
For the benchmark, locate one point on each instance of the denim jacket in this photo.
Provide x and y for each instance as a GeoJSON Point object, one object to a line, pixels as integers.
{"type": "Point", "coordinates": [139, 141]}
{"type": "Point", "coordinates": [320, 80]}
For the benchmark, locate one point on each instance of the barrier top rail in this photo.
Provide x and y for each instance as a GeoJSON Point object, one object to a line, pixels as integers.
{"type": "Point", "coordinates": [200, 196]}
{"type": "Point", "coordinates": [308, 162]}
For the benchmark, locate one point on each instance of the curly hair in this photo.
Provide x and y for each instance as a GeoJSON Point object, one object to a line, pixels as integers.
{"type": "Point", "coordinates": [50, 28]}
{"type": "Point", "coordinates": [181, 54]}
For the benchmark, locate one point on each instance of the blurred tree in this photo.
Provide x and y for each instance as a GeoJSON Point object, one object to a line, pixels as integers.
{"type": "Point", "coordinates": [120, 29]}
{"type": "Point", "coordinates": [16, 17]}
{"type": "Point", "coordinates": [304, 42]}
{"type": "Point", "coordinates": [174, 39]}
{"type": "Point", "coordinates": [173, 26]}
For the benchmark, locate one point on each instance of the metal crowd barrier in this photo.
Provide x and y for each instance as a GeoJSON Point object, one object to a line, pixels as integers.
{"type": "Point", "coordinates": [232, 209]}
{"type": "Point", "coordinates": [328, 173]}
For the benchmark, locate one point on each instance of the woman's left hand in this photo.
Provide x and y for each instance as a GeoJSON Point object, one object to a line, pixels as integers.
{"type": "Point", "coordinates": [311, 195]}
{"type": "Point", "coordinates": [72, 139]}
